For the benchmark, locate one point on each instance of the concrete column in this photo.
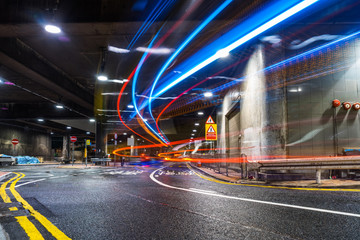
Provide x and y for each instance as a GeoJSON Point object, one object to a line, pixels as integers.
{"type": "Point", "coordinates": [100, 139]}
{"type": "Point", "coordinates": [66, 147]}
{"type": "Point", "coordinates": [318, 176]}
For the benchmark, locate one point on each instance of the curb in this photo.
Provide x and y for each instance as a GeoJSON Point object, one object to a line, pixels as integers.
{"type": "Point", "coordinates": [355, 187]}
{"type": "Point", "coordinates": [317, 186]}
{"type": "Point", "coordinates": [5, 175]}
{"type": "Point", "coordinates": [224, 180]}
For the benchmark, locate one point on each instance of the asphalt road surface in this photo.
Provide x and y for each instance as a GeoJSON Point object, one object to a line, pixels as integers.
{"type": "Point", "coordinates": [165, 202]}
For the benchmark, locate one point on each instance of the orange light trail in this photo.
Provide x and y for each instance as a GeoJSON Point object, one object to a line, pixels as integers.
{"type": "Point", "coordinates": [118, 106]}
{"type": "Point", "coordinates": [152, 145]}
{"type": "Point", "coordinates": [197, 84]}
{"type": "Point", "coordinates": [188, 12]}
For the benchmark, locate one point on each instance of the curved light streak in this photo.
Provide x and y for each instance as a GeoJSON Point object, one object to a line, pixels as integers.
{"type": "Point", "coordinates": [143, 58]}
{"type": "Point", "coordinates": [142, 124]}
{"type": "Point", "coordinates": [153, 145]}
{"type": "Point", "coordinates": [274, 21]}
{"type": "Point", "coordinates": [151, 18]}
{"type": "Point", "coordinates": [182, 46]}
{"type": "Point", "coordinates": [277, 6]}
{"type": "Point", "coordinates": [289, 60]}
{"type": "Point", "coordinates": [194, 86]}
{"type": "Point", "coordinates": [269, 68]}
{"type": "Point", "coordinates": [118, 108]}
{"type": "Point", "coordinates": [293, 10]}
{"type": "Point", "coordinates": [166, 35]}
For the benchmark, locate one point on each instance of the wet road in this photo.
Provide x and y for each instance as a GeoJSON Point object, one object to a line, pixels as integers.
{"type": "Point", "coordinates": [168, 202]}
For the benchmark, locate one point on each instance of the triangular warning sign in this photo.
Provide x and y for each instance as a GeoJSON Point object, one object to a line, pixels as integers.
{"type": "Point", "coordinates": [211, 129]}
{"type": "Point", "coordinates": [210, 120]}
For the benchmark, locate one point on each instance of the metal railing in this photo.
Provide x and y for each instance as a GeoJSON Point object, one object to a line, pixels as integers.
{"type": "Point", "coordinates": [317, 164]}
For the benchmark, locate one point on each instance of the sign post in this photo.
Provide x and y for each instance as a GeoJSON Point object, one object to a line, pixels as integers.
{"type": "Point", "coordinates": [87, 143]}
{"type": "Point", "coordinates": [115, 146]}
{"type": "Point", "coordinates": [211, 131]}
{"type": "Point", "coordinates": [73, 139]}
{"type": "Point", "coordinates": [14, 142]}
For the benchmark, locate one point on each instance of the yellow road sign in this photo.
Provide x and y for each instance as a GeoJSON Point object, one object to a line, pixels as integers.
{"type": "Point", "coordinates": [211, 132]}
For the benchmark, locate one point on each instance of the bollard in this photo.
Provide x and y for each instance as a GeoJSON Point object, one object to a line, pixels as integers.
{"type": "Point", "coordinates": [318, 176]}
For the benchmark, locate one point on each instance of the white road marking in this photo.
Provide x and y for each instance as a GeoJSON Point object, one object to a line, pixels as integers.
{"type": "Point", "coordinates": [28, 183]}
{"type": "Point", "coordinates": [59, 176]}
{"type": "Point", "coordinates": [122, 172]}
{"type": "Point", "coordinates": [253, 200]}
{"type": "Point", "coordinates": [201, 190]}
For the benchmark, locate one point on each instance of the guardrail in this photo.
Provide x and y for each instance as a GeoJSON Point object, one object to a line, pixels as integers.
{"type": "Point", "coordinates": [318, 164]}
{"type": "Point", "coordinates": [62, 160]}
{"type": "Point", "coordinates": [101, 160]}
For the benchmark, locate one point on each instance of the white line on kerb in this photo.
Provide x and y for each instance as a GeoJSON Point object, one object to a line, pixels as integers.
{"type": "Point", "coordinates": [252, 200]}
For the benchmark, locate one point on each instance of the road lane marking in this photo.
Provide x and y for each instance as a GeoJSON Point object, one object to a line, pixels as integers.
{"type": "Point", "coordinates": [276, 187]}
{"type": "Point", "coordinates": [43, 220]}
{"type": "Point", "coordinates": [201, 190]}
{"type": "Point", "coordinates": [24, 222]}
{"type": "Point", "coordinates": [29, 228]}
{"type": "Point", "coordinates": [3, 194]}
{"type": "Point", "coordinates": [253, 200]}
{"type": "Point", "coordinates": [59, 176]}
{"type": "Point", "coordinates": [28, 183]}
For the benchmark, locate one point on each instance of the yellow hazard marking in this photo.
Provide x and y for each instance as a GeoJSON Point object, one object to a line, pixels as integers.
{"type": "Point", "coordinates": [24, 222]}
{"type": "Point", "coordinates": [3, 194]}
{"type": "Point", "coordinates": [43, 220]}
{"type": "Point", "coordinates": [29, 228]}
{"type": "Point", "coordinates": [277, 187]}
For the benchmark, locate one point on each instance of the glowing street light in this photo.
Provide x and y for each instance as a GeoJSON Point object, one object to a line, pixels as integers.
{"type": "Point", "coordinates": [102, 77]}
{"type": "Point", "coordinates": [52, 29]}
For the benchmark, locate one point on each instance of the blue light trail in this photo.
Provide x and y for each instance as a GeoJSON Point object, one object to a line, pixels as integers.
{"type": "Point", "coordinates": [150, 19]}
{"type": "Point", "coordinates": [136, 75]}
{"type": "Point", "coordinates": [269, 24]}
{"type": "Point", "coordinates": [274, 13]}
{"type": "Point", "coordinates": [283, 63]}
{"type": "Point", "coordinates": [182, 46]}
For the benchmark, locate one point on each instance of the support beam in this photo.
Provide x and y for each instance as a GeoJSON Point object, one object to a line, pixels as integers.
{"type": "Point", "coordinates": [21, 58]}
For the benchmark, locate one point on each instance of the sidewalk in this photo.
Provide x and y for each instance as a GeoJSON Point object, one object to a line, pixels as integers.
{"type": "Point", "coordinates": [91, 165]}
{"type": "Point", "coordinates": [325, 183]}
{"type": "Point", "coordinates": [4, 175]}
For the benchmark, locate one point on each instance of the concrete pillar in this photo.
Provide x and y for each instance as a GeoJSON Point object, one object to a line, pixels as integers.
{"type": "Point", "coordinates": [66, 147]}
{"type": "Point", "coordinates": [100, 139]}
{"type": "Point", "coordinates": [318, 176]}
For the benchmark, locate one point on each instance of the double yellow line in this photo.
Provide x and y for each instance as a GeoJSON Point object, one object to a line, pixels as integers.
{"type": "Point", "coordinates": [24, 222]}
